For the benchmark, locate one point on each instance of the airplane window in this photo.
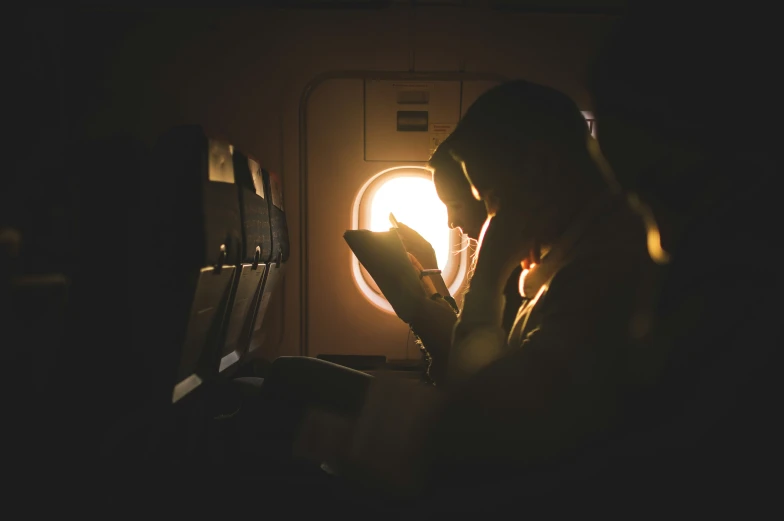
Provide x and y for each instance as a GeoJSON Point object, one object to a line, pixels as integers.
{"type": "Point", "coordinates": [415, 203]}
{"type": "Point", "coordinates": [408, 193]}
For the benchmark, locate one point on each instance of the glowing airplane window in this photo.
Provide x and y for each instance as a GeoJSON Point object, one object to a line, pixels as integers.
{"type": "Point", "coordinates": [415, 203]}
{"type": "Point", "coordinates": [409, 194]}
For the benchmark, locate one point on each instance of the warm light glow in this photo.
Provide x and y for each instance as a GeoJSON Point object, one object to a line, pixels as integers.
{"type": "Point", "coordinates": [521, 281]}
{"type": "Point", "coordinates": [408, 192]}
{"type": "Point", "coordinates": [415, 203]}
{"type": "Point", "coordinates": [655, 249]}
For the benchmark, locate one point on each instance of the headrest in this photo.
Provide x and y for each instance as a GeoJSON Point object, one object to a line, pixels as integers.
{"type": "Point", "coordinates": [195, 175]}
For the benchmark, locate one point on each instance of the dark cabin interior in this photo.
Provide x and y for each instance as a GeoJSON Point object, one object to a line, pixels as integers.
{"type": "Point", "coordinates": [146, 295]}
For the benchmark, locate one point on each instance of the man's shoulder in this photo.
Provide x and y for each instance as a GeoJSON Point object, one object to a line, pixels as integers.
{"type": "Point", "coordinates": [617, 232]}
{"type": "Point", "coordinates": [611, 258]}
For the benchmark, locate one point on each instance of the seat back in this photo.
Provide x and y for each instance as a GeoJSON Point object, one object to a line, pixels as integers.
{"type": "Point", "coordinates": [193, 217]}
{"type": "Point", "coordinates": [280, 253]}
{"type": "Point", "coordinates": [255, 257]}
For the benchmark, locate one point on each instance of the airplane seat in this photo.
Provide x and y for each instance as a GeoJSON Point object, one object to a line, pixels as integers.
{"type": "Point", "coordinates": [192, 216]}
{"type": "Point", "coordinates": [186, 240]}
{"type": "Point", "coordinates": [280, 255]}
{"type": "Point", "coordinates": [366, 363]}
{"type": "Point", "coordinates": [249, 386]}
{"type": "Point", "coordinates": [265, 231]}
{"type": "Point", "coordinates": [255, 256]}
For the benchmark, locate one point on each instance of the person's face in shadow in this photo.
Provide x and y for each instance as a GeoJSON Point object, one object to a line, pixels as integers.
{"type": "Point", "coordinates": [512, 228]}
{"type": "Point", "coordinates": [463, 210]}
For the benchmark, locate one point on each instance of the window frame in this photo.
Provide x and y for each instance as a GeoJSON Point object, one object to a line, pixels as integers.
{"type": "Point", "coordinates": [456, 270]}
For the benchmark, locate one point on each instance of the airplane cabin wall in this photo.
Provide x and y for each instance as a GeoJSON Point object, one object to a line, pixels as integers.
{"type": "Point", "coordinates": [241, 74]}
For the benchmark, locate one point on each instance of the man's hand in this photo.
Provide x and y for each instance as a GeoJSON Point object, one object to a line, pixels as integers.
{"type": "Point", "coordinates": [433, 283]}
{"type": "Point", "coordinates": [427, 284]}
{"type": "Point", "coordinates": [387, 449]}
{"type": "Point", "coordinates": [417, 246]}
{"type": "Point", "coordinates": [504, 243]}
{"type": "Point", "coordinates": [324, 437]}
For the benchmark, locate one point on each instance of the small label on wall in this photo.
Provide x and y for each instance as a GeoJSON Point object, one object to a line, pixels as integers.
{"type": "Point", "coordinates": [220, 165]}
{"type": "Point", "coordinates": [255, 174]}
{"type": "Point", "coordinates": [412, 120]}
{"type": "Point", "coordinates": [438, 133]}
{"type": "Point", "coordinates": [276, 189]}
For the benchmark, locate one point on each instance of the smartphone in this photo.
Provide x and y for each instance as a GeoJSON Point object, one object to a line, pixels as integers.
{"type": "Point", "coordinates": [393, 220]}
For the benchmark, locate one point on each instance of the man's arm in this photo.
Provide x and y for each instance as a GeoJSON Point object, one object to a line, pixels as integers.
{"type": "Point", "coordinates": [479, 337]}
{"type": "Point", "coordinates": [556, 390]}
{"type": "Point", "coordinates": [389, 439]}
{"type": "Point", "coordinates": [423, 251]}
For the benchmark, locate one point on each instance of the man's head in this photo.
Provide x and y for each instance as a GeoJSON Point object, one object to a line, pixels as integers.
{"type": "Point", "coordinates": [649, 115]}
{"type": "Point", "coordinates": [463, 210]}
{"type": "Point", "coordinates": [524, 148]}
{"type": "Point", "coordinates": [671, 91]}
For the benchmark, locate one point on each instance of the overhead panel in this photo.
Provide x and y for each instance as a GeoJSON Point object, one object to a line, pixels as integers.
{"type": "Point", "coordinates": [407, 120]}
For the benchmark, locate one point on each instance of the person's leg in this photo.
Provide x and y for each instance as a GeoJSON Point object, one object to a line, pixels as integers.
{"type": "Point", "coordinates": [270, 422]}
{"type": "Point", "coordinates": [316, 383]}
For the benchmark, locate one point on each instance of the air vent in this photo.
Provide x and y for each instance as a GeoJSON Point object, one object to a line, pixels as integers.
{"type": "Point", "coordinates": [403, 118]}
{"type": "Point", "coordinates": [412, 121]}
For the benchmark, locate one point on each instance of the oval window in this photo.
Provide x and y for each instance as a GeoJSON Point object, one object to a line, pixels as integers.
{"type": "Point", "coordinates": [408, 193]}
